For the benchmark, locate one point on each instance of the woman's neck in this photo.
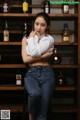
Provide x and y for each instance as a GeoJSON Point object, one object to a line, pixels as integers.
{"type": "Point", "coordinates": [40, 36]}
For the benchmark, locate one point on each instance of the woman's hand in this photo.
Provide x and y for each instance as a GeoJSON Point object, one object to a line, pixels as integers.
{"type": "Point", "coordinates": [24, 39]}
{"type": "Point", "coordinates": [46, 55]}
{"type": "Point", "coordinates": [32, 34]}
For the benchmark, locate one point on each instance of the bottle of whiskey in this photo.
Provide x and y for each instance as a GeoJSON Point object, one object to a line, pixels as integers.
{"type": "Point", "coordinates": [47, 6]}
{"type": "Point", "coordinates": [6, 32]}
{"type": "Point", "coordinates": [66, 34]}
{"type": "Point", "coordinates": [18, 78]}
{"type": "Point", "coordinates": [25, 32]}
{"type": "Point", "coordinates": [5, 7]}
{"type": "Point", "coordinates": [60, 79]}
{"type": "Point", "coordinates": [55, 58]}
{"type": "Point", "coordinates": [66, 7]}
{"type": "Point", "coordinates": [25, 6]}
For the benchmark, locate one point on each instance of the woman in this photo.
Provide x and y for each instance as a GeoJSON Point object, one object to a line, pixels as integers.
{"type": "Point", "coordinates": [39, 79]}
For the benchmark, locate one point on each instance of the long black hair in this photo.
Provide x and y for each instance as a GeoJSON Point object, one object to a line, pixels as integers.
{"type": "Point", "coordinates": [45, 16]}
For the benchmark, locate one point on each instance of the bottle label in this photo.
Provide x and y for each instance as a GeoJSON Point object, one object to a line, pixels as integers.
{"type": "Point", "coordinates": [55, 58]}
{"type": "Point", "coordinates": [6, 35]}
{"type": "Point", "coordinates": [18, 79]}
{"type": "Point", "coordinates": [60, 81]}
{"type": "Point", "coordinates": [66, 39]}
{"type": "Point", "coordinates": [25, 6]}
{"type": "Point", "coordinates": [5, 8]}
{"type": "Point", "coordinates": [66, 8]}
{"type": "Point", "coordinates": [46, 10]}
{"type": "Point", "coordinates": [18, 82]}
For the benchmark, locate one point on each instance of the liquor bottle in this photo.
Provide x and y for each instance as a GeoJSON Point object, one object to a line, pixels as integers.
{"type": "Point", "coordinates": [66, 34]}
{"type": "Point", "coordinates": [60, 79]}
{"type": "Point", "coordinates": [55, 58]}
{"type": "Point", "coordinates": [47, 6]}
{"type": "Point", "coordinates": [5, 7]}
{"type": "Point", "coordinates": [6, 32]}
{"type": "Point", "coordinates": [18, 78]}
{"type": "Point", "coordinates": [66, 7]}
{"type": "Point", "coordinates": [25, 32]}
{"type": "Point", "coordinates": [25, 6]}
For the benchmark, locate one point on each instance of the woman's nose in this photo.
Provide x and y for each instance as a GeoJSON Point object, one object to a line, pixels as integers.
{"type": "Point", "coordinates": [39, 27]}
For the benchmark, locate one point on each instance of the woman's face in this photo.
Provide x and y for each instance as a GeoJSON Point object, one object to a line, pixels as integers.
{"type": "Point", "coordinates": [40, 26]}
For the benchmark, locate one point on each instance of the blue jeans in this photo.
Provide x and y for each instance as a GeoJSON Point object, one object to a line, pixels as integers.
{"type": "Point", "coordinates": [39, 83]}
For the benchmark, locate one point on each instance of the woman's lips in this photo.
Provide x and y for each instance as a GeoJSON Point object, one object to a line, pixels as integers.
{"type": "Point", "coordinates": [38, 31]}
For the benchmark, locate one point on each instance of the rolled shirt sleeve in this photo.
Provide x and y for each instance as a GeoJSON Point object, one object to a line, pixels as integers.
{"type": "Point", "coordinates": [36, 49]}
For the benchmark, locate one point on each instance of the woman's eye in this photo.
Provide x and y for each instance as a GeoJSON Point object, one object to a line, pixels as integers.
{"type": "Point", "coordinates": [37, 24]}
{"type": "Point", "coordinates": [43, 25]}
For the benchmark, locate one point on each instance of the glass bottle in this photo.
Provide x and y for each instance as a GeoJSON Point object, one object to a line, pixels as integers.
{"type": "Point", "coordinates": [6, 32]}
{"type": "Point", "coordinates": [60, 79]}
{"type": "Point", "coordinates": [55, 58]}
{"type": "Point", "coordinates": [5, 7]}
{"type": "Point", "coordinates": [66, 34]}
{"type": "Point", "coordinates": [47, 6]}
{"type": "Point", "coordinates": [18, 78]}
{"type": "Point", "coordinates": [65, 7]}
{"type": "Point", "coordinates": [25, 6]}
{"type": "Point", "coordinates": [25, 32]}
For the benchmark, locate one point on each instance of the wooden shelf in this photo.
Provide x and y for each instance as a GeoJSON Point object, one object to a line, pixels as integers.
{"type": "Point", "coordinates": [65, 43]}
{"type": "Point", "coordinates": [51, 32]}
{"type": "Point", "coordinates": [10, 43]}
{"type": "Point", "coordinates": [23, 66]}
{"type": "Point", "coordinates": [64, 109]}
{"type": "Point", "coordinates": [55, 43]}
{"type": "Point", "coordinates": [16, 15]}
{"type": "Point", "coordinates": [11, 87]}
{"type": "Point", "coordinates": [13, 32]}
{"type": "Point", "coordinates": [51, 6]}
{"type": "Point", "coordinates": [14, 87]}
{"type": "Point", "coordinates": [65, 66]}
{"type": "Point", "coordinates": [60, 32]}
{"type": "Point", "coordinates": [33, 15]}
{"type": "Point", "coordinates": [36, 6]}
{"type": "Point", "coordinates": [12, 66]}
{"type": "Point", "coordinates": [66, 88]}
{"type": "Point", "coordinates": [19, 108]}
{"type": "Point", "coordinates": [13, 108]}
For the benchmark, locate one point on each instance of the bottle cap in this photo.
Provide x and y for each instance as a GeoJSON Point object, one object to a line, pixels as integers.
{"type": "Point", "coordinates": [65, 25]}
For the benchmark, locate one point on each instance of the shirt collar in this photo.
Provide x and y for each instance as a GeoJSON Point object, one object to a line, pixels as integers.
{"type": "Point", "coordinates": [39, 37]}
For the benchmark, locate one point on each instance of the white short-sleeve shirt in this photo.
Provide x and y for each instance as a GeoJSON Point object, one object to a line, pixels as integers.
{"type": "Point", "coordinates": [37, 46]}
